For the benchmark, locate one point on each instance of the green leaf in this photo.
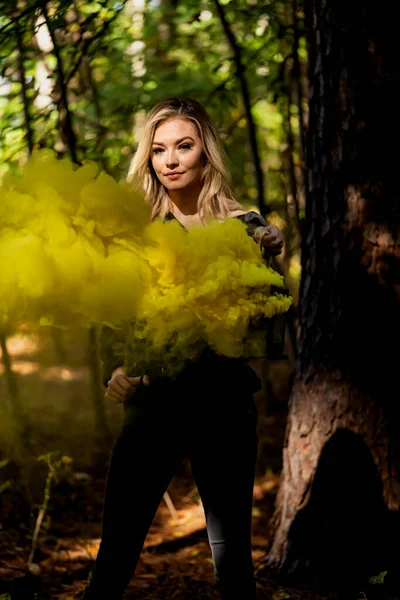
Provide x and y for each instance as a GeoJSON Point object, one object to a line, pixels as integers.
{"type": "Point", "coordinates": [90, 8]}
{"type": "Point", "coordinates": [378, 579]}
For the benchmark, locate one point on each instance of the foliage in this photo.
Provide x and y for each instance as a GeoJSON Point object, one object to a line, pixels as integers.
{"type": "Point", "coordinates": [378, 579]}
{"type": "Point", "coordinates": [114, 60]}
{"type": "Point", "coordinates": [55, 465]}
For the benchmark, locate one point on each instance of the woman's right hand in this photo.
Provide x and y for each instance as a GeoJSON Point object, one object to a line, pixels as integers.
{"type": "Point", "coordinates": [121, 387]}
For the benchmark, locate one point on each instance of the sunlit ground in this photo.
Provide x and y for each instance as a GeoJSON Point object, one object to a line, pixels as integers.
{"type": "Point", "coordinates": [56, 399]}
{"type": "Point", "coordinates": [22, 367]}
{"type": "Point", "coordinates": [178, 546]}
{"type": "Point", "coordinates": [53, 396]}
{"type": "Point", "coordinates": [19, 345]}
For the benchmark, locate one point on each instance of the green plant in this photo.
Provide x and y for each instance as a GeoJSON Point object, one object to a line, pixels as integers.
{"type": "Point", "coordinates": [54, 464]}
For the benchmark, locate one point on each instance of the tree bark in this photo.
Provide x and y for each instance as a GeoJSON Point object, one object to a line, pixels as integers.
{"type": "Point", "coordinates": [336, 522]}
{"type": "Point", "coordinates": [340, 491]}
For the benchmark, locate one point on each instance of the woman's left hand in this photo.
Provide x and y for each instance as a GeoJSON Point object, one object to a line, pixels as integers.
{"type": "Point", "coordinates": [272, 240]}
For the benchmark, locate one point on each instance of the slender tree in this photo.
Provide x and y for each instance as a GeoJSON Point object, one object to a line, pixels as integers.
{"type": "Point", "coordinates": [23, 80]}
{"type": "Point", "coordinates": [64, 112]}
{"type": "Point", "coordinates": [245, 93]}
{"type": "Point", "coordinates": [18, 29]}
{"type": "Point", "coordinates": [67, 129]}
{"type": "Point", "coordinates": [337, 516]}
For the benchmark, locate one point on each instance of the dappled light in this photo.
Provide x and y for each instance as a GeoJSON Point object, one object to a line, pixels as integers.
{"type": "Point", "coordinates": [70, 539]}
{"type": "Point", "coordinates": [24, 345]}
{"type": "Point", "coordinates": [184, 537]}
{"type": "Point", "coordinates": [214, 313]}
{"type": "Point", "coordinates": [22, 367]}
{"type": "Point", "coordinates": [21, 344]}
{"type": "Point", "coordinates": [63, 373]}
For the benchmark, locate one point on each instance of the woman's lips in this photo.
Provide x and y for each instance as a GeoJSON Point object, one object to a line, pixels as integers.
{"type": "Point", "coordinates": [174, 176]}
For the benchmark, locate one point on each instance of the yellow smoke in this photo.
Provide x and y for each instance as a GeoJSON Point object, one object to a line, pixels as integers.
{"type": "Point", "coordinates": [76, 247]}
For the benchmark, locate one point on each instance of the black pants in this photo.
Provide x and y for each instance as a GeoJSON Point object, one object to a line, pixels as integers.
{"type": "Point", "coordinates": [214, 424]}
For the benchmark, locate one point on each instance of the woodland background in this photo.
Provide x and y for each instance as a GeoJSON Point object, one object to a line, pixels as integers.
{"type": "Point", "coordinates": [304, 99]}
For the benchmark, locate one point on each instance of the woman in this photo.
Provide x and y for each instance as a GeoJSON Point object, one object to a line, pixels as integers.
{"type": "Point", "coordinates": [207, 412]}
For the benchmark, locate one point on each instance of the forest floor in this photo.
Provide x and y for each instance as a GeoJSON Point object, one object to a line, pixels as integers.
{"type": "Point", "coordinates": [176, 559]}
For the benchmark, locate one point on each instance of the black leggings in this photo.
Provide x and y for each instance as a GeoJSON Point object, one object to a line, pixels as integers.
{"type": "Point", "coordinates": [215, 426]}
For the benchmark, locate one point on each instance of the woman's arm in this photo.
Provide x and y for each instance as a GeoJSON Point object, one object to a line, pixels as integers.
{"type": "Point", "coordinates": [269, 237]}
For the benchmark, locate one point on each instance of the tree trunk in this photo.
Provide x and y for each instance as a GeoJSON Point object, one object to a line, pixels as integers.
{"type": "Point", "coordinates": [337, 516]}
{"type": "Point", "coordinates": [16, 407]}
{"type": "Point", "coordinates": [101, 427]}
{"type": "Point", "coordinates": [340, 480]}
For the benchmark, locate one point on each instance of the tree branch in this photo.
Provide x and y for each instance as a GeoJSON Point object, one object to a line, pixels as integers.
{"type": "Point", "coordinates": [240, 72]}
{"type": "Point", "coordinates": [68, 129]}
{"type": "Point", "coordinates": [88, 41]}
{"type": "Point", "coordinates": [17, 17]}
{"type": "Point", "coordinates": [221, 85]}
{"type": "Point", "coordinates": [229, 131]}
{"type": "Point", "coordinates": [22, 79]}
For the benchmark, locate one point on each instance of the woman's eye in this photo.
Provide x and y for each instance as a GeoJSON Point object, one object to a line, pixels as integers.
{"type": "Point", "coordinates": [182, 147]}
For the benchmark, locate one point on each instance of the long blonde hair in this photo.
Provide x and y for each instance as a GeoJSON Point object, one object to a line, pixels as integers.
{"type": "Point", "coordinates": [216, 199]}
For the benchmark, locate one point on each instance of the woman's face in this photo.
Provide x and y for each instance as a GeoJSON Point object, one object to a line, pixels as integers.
{"type": "Point", "coordinates": [177, 147]}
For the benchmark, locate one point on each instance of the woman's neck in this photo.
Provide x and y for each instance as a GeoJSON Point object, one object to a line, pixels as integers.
{"type": "Point", "coordinates": [185, 201]}
{"type": "Point", "coordinates": [185, 212]}
{"type": "Point", "coordinates": [187, 219]}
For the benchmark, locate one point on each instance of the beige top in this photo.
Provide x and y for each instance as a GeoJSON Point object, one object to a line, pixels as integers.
{"type": "Point", "coordinates": [189, 221]}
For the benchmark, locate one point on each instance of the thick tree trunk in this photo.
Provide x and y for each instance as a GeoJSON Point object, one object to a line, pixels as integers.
{"type": "Point", "coordinates": [340, 488]}
{"type": "Point", "coordinates": [337, 516]}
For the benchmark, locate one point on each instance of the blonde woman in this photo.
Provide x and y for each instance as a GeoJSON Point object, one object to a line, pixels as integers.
{"type": "Point", "coordinates": [208, 412]}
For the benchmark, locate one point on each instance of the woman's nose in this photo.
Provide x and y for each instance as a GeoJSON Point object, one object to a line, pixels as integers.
{"type": "Point", "coordinates": [171, 163]}
{"type": "Point", "coordinates": [171, 157]}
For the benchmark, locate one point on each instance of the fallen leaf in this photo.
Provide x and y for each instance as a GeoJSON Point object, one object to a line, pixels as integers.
{"type": "Point", "coordinates": [59, 569]}
{"type": "Point", "coordinates": [34, 569]}
{"type": "Point", "coordinates": [280, 595]}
